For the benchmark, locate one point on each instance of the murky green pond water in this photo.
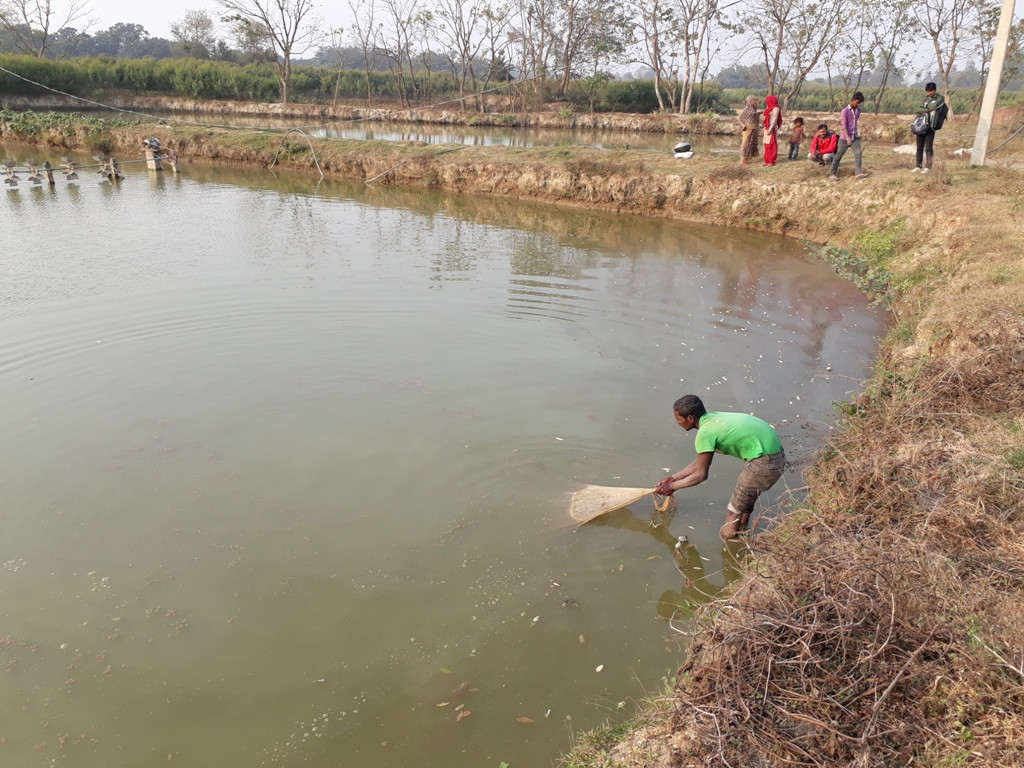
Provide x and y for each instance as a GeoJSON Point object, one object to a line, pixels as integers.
{"type": "Point", "coordinates": [285, 466]}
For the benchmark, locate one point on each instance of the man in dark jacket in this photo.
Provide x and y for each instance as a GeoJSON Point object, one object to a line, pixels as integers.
{"type": "Point", "coordinates": [933, 107]}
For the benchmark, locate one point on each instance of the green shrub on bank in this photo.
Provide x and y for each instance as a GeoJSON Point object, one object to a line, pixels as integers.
{"type": "Point", "coordinates": [628, 96]}
{"type": "Point", "coordinates": [868, 263]}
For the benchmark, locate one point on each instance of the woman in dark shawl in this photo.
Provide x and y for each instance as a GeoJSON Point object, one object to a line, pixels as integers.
{"type": "Point", "coordinates": [748, 122]}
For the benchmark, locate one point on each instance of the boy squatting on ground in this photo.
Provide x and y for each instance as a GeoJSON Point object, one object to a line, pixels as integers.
{"type": "Point", "coordinates": [736, 434]}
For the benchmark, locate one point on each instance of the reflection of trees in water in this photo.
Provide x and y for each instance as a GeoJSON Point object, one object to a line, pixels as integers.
{"type": "Point", "coordinates": [803, 301]}
{"type": "Point", "coordinates": [753, 284]}
{"type": "Point", "coordinates": [697, 586]}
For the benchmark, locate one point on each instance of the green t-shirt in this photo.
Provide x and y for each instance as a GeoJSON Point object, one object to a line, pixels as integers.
{"type": "Point", "coordinates": [736, 434]}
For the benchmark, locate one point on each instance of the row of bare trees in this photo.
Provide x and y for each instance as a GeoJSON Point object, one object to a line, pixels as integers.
{"type": "Point", "coordinates": [678, 41]}
{"type": "Point", "coordinates": [552, 42]}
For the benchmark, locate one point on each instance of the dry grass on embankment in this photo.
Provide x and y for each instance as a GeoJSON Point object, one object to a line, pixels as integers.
{"type": "Point", "coordinates": [881, 622]}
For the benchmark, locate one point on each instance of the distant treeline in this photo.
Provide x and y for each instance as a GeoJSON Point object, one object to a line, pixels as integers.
{"type": "Point", "coordinates": [203, 79]}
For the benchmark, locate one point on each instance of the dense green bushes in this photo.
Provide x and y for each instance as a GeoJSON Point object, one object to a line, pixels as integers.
{"type": "Point", "coordinates": [638, 96]}
{"type": "Point", "coordinates": [201, 79]}
{"type": "Point", "coordinates": [628, 96]}
{"type": "Point", "coordinates": [191, 78]}
{"type": "Point", "coordinates": [198, 79]}
{"type": "Point", "coordinates": [62, 76]}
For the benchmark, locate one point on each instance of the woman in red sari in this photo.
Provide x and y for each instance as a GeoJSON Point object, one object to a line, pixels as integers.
{"type": "Point", "coordinates": [772, 122]}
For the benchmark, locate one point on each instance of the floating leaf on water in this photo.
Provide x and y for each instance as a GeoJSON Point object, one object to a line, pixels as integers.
{"type": "Point", "coordinates": [582, 639]}
{"type": "Point", "coordinates": [525, 720]}
{"type": "Point", "coordinates": [462, 714]}
{"type": "Point", "coordinates": [599, 667]}
{"type": "Point", "coordinates": [446, 671]}
{"type": "Point", "coordinates": [654, 557]}
{"type": "Point", "coordinates": [443, 704]}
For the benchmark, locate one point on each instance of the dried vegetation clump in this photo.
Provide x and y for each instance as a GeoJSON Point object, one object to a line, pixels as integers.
{"type": "Point", "coordinates": [834, 660]}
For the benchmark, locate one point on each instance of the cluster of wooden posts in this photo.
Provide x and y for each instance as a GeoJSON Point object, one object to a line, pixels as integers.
{"type": "Point", "coordinates": [109, 167]}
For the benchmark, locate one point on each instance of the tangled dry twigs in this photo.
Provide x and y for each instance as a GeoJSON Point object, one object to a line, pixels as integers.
{"type": "Point", "coordinates": [819, 661]}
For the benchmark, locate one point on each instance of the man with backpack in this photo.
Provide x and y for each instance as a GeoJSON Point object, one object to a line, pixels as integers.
{"type": "Point", "coordinates": [934, 106]}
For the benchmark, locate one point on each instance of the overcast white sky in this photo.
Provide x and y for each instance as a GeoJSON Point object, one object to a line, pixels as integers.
{"type": "Point", "coordinates": [156, 18]}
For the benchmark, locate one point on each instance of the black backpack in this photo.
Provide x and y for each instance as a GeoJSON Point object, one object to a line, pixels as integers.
{"type": "Point", "coordinates": [941, 113]}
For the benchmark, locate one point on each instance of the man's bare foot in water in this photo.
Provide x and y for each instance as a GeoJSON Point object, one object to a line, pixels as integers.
{"type": "Point", "coordinates": [734, 526]}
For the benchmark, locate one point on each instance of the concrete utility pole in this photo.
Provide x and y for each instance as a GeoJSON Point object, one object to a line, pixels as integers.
{"type": "Point", "coordinates": [995, 77]}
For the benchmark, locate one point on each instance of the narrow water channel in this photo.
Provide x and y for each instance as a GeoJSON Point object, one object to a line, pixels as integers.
{"type": "Point", "coordinates": [285, 465]}
{"type": "Point", "coordinates": [475, 136]}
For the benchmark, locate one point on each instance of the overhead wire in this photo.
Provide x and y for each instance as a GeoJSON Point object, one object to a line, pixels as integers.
{"type": "Point", "coordinates": [1008, 139]}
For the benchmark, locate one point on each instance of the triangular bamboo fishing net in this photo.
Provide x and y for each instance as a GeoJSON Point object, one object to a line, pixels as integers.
{"type": "Point", "coordinates": [595, 500]}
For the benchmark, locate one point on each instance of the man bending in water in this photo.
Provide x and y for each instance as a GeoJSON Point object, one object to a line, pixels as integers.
{"type": "Point", "coordinates": [736, 434]}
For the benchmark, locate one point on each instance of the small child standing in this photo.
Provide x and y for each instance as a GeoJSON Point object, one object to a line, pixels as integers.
{"type": "Point", "coordinates": [796, 138]}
